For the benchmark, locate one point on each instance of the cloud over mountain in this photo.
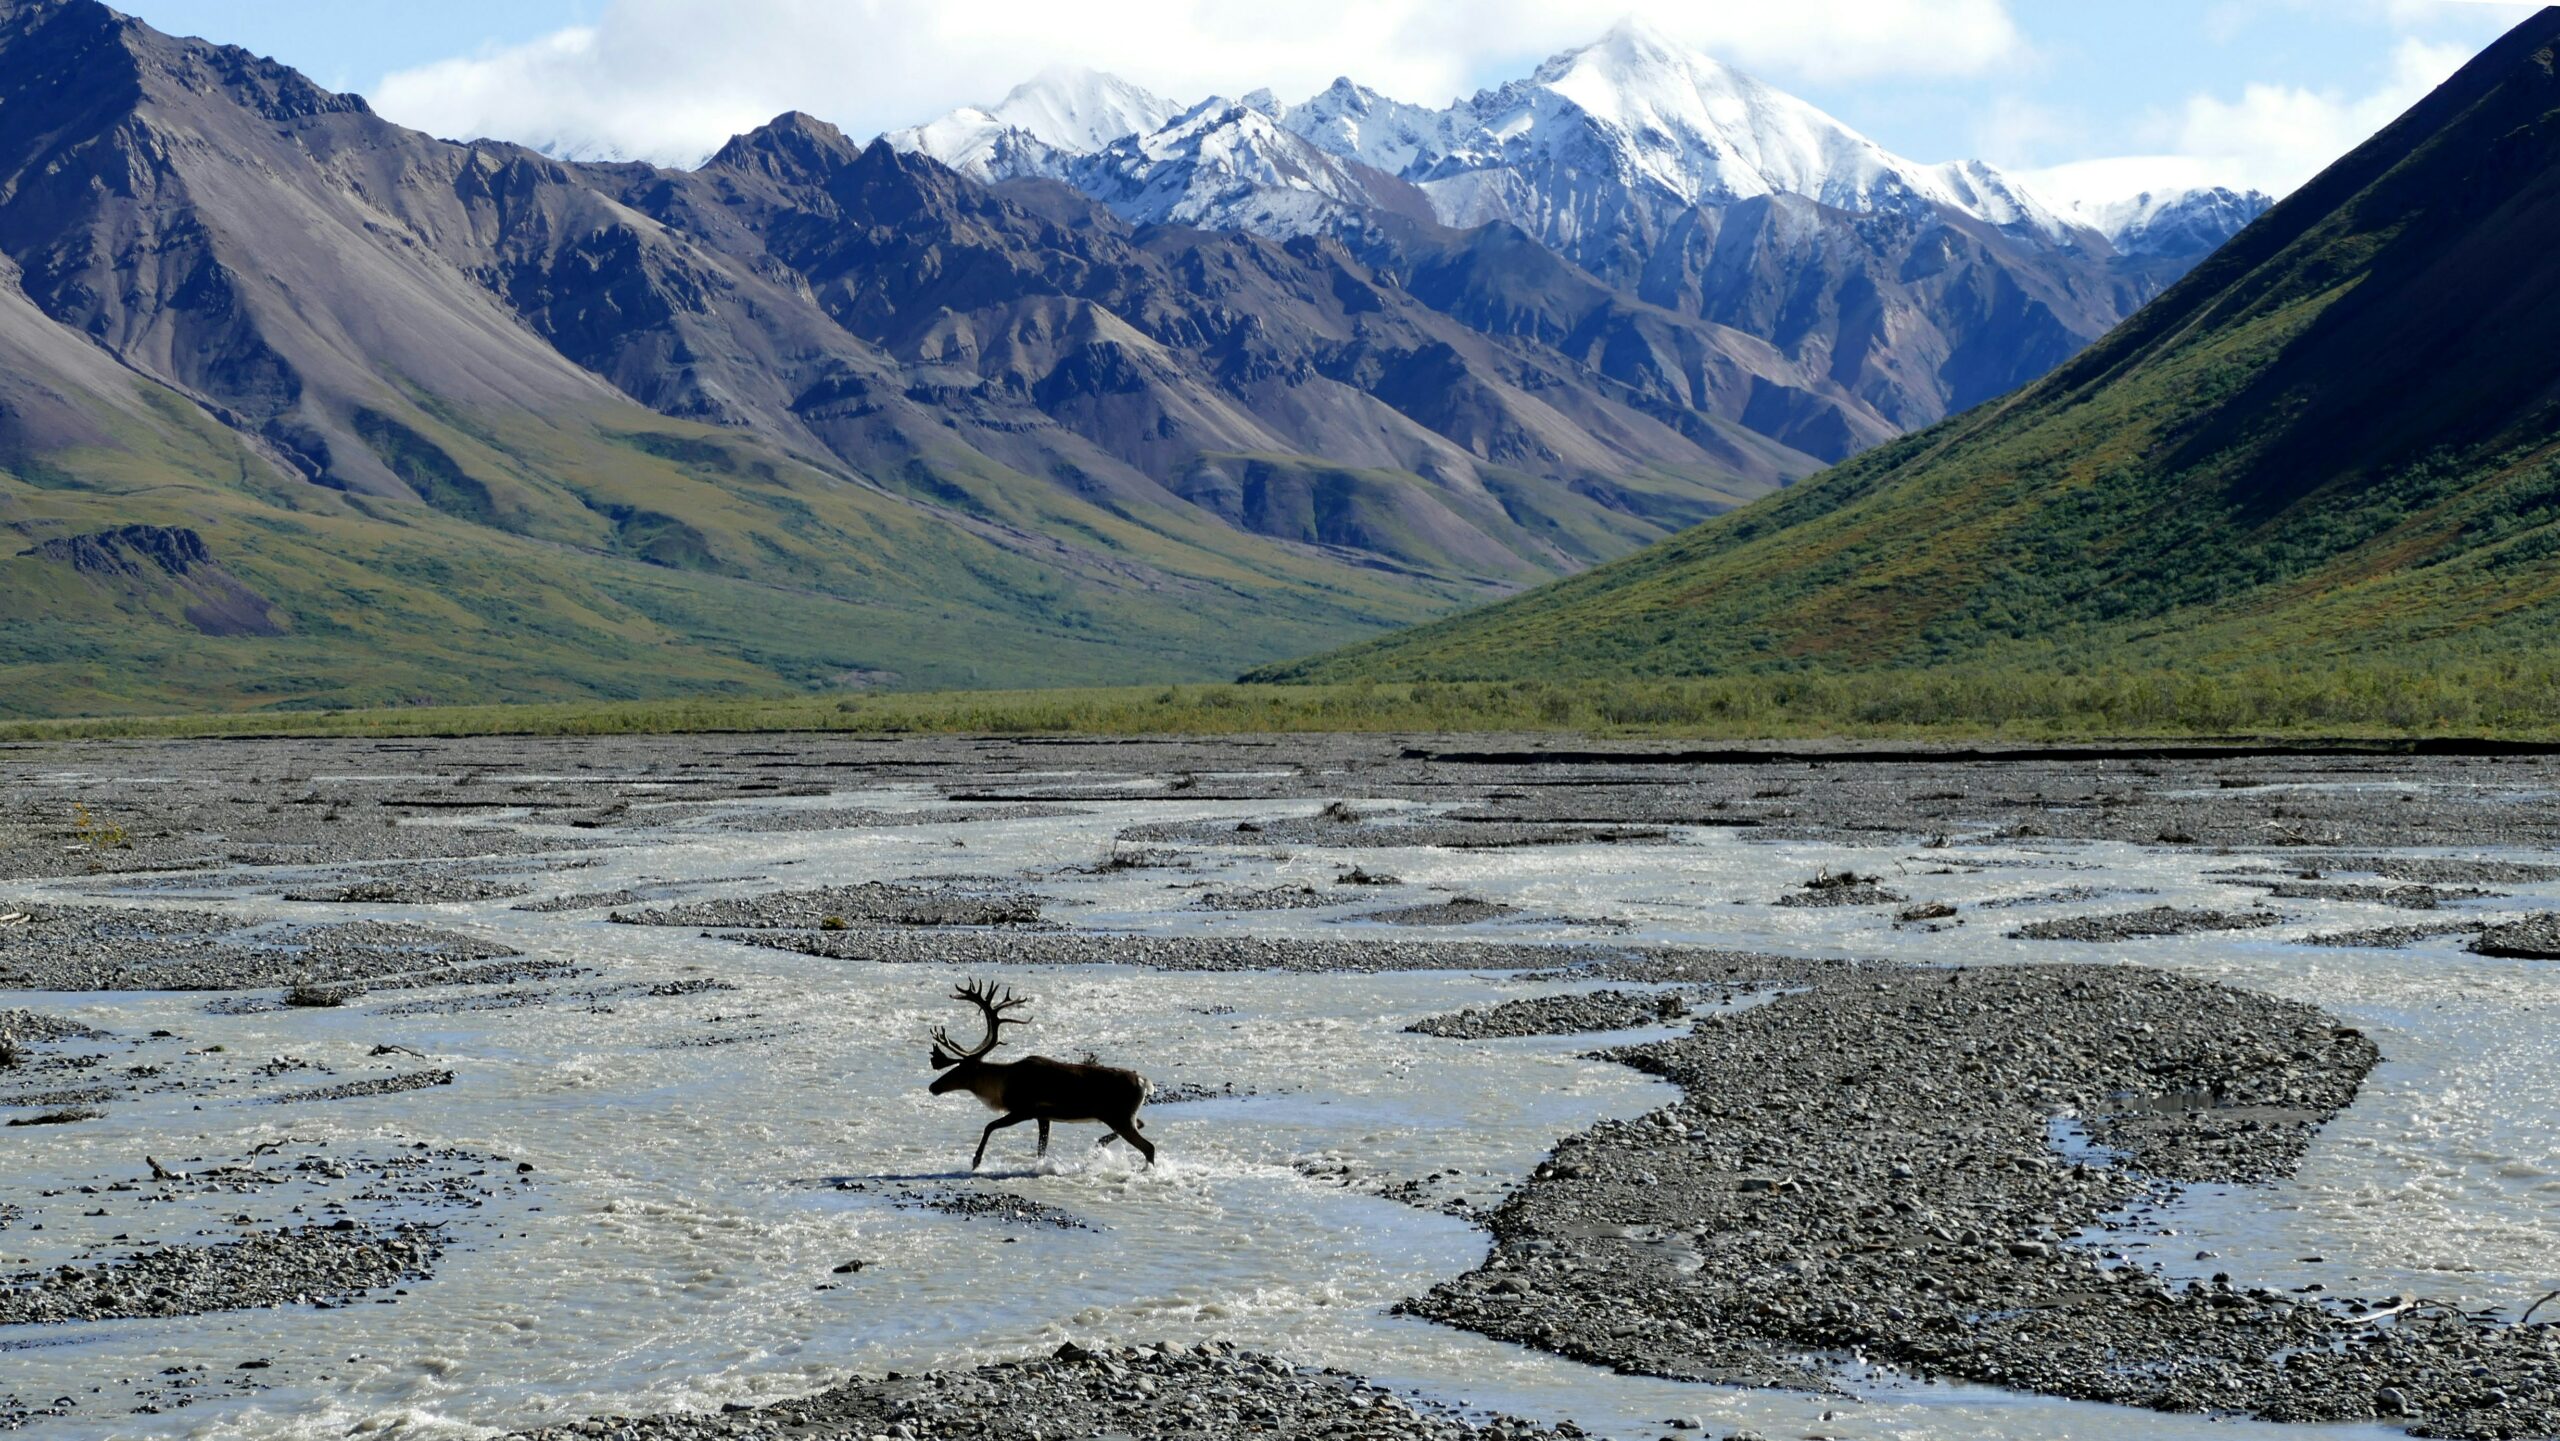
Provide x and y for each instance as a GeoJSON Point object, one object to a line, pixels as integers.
{"type": "Point", "coordinates": [657, 79]}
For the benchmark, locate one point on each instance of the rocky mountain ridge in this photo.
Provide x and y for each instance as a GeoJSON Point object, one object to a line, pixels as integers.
{"type": "Point", "coordinates": [1922, 289]}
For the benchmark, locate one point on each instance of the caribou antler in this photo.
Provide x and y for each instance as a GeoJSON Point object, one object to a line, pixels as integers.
{"type": "Point", "coordinates": [997, 1003]}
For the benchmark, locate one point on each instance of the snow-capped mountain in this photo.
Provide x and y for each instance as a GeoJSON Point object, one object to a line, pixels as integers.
{"type": "Point", "coordinates": [1615, 134]}
{"type": "Point", "coordinates": [1634, 112]}
{"type": "Point", "coordinates": [1230, 165]}
{"type": "Point", "coordinates": [1063, 112]}
{"type": "Point", "coordinates": [2173, 221]}
{"type": "Point", "coordinates": [1668, 176]}
{"type": "Point", "coordinates": [1360, 124]}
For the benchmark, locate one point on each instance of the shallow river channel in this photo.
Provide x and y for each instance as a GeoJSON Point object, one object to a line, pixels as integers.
{"type": "Point", "coordinates": [704, 1160]}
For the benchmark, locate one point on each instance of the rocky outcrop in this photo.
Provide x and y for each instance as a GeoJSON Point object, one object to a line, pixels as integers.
{"type": "Point", "coordinates": [145, 563]}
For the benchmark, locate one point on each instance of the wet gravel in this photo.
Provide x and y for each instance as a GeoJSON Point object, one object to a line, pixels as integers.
{"type": "Point", "coordinates": [2390, 938]}
{"type": "Point", "coordinates": [1456, 911]}
{"type": "Point", "coordinates": [414, 891]}
{"type": "Point", "coordinates": [319, 802]}
{"type": "Point", "coordinates": [872, 903]}
{"type": "Point", "coordinates": [2398, 897]}
{"type": "Point", "coordinates": [26, 1025]}
{"type": "Point", "coordinates": [864, 818]}
{"type": "Point", "coordinates": [1327, 831]}
{"type": "Point", "coordinates": [1264, 898]}
{"type": "Point", "coordinates": [1845, 889]}
{"type": "Point", "coordinates": [1240, 953]}
{"type": "Point", "coordinates": [2534, 939]}
{"type": "Point", "coordinates": [2139, 925]}
{"type": "Point", "coordinates": [295, 1266]}
{"type": "Point", "coordinates": [1867, 1166]}
{"type": "Point", "coordinates": [1211, 1392]}
{"type": "Point", "coordinates": [994, 1206]}
{"type": "Point", "coordinates": [1576, 1014]}
{"type": "Point", "coordinates": [100, 948]}
{"type": "Point", "coordinates": [581, 901]}
{"type": "Point", "coordinates": [2444, 871]}
{"type": "Point", "coordinates": [373, 1086]}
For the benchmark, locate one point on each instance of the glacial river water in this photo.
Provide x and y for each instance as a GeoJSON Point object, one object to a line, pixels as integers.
{"type": "Point", "coordinates": [693, 1201]}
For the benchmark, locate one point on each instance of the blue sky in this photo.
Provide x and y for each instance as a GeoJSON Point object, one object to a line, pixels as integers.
{"type": "Point", "coordinates": [2237, 91]}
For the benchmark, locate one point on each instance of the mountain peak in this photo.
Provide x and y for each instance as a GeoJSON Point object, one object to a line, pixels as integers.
{"type": "Point", "coordinates": [1351, 120]}
{"type": "Point", "coordinates": [1064, 110]}
{"type": "Point", "coordinates": [793, 147]}
{"type": "Point", "coordinates": [1076, 108]}
{"type": "Point", "coordinates": [1636, 39]}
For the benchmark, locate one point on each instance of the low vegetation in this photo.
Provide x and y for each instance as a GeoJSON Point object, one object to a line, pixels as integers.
{"type": "Point", "coordinates": [2479, 699]}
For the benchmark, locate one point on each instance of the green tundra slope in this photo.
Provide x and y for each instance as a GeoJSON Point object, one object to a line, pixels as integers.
{"type": "Point", "coordinates": [598, 551]}
{"type": "Point", "coordinates": [2338, 437]}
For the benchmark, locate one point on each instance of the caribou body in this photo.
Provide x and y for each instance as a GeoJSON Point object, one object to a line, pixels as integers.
{"type": "Point", "coordinates": [1035, 1088]}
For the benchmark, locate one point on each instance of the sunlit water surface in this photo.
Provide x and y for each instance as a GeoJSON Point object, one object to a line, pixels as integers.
{"type": "Point", "coordinates": [693, 1202]}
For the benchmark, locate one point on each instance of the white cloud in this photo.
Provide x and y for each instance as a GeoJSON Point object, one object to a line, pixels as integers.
{"type": "Point", "coordinates": [2270, 137]}
{"type": "Point", "coordinates": [670, 79]}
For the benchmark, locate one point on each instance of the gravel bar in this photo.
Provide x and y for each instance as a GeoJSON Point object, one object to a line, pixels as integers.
{"type": "Point", "coordinates": [1212, 1392]}
{"type": "Point", "coordinates": [1579, 1013]}
{"type": "Point", "coordinates": [1268, 953]}
{"type": "Point", "coordinates": [298, 1266]}
{"type": "Point", "coordinates": [2144, 924]}
{"type": "Point", "coordinates": [872, 903]}
{"type": "Point", "coordinates": [1866, 1166]}
{"type": "Point", "coordinates": [2536, 938]}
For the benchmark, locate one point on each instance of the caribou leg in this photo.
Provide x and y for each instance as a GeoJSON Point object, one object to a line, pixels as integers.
{"type": "Point", "coordinates": [1044, 1135]}
{"type": "Point", "coordinates": [989, 1134]}
{"type": "Point", "coordinates": [1128, 1131]}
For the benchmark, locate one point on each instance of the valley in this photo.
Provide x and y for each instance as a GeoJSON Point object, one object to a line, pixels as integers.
{"type": "Point", "coordinates": [547, 1080]}
{"type": "Point", "coordinates": [439, 421]}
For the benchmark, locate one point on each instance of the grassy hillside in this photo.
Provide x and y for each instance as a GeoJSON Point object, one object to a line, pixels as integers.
{"type": "Point", "coordinates": [2338, 438]}
{"type": "Point", "coordinates": [617, 553]}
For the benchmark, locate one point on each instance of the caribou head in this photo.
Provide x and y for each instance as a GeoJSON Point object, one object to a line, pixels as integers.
{"type": "Point", "coordinates": [1035, 1088]}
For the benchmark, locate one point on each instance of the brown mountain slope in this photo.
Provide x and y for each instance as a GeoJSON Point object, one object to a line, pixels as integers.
{"type": "Point", "coordinates": [477, 422]}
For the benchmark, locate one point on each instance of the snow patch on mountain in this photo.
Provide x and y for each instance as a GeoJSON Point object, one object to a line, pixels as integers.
{"type": "Point", "coordinates": [2151, 205]}
{"type": "Point", "coordinates": [2177, 222]}
{"type": "Point", "coordinates": [1224, 165]}
{"type": "Point", "coordinates": [1358, 123]}
{"type": "Point", "coordinates": [1062, 112]}
{"type": "Point", "coordinates": [1636, 109]}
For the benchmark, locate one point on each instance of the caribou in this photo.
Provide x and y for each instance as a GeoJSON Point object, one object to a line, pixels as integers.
{"type": "Point", "coordinates": [1035, 1088]}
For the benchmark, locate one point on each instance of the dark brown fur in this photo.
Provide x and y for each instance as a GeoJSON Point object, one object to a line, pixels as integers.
{"type": "Point", "coordinates": [1036, 1088]}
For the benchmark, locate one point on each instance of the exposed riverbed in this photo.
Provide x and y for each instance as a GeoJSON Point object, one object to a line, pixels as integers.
{"type": "Point", "coordinates": [629, 1045]}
